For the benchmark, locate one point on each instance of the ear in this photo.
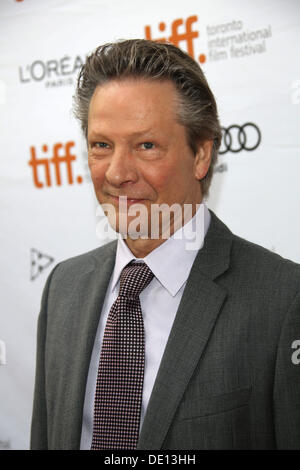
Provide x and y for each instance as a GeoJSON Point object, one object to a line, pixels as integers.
{"type": "Point", "coordinates": [203, 159]}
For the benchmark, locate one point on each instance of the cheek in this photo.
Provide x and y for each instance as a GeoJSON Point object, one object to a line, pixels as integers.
{"type": "Point", "coordinates": [161, 176]}
{"type": "Point", "coordinates": [97, 171]}
{"type": "Point", "coordinates": [170, 181]}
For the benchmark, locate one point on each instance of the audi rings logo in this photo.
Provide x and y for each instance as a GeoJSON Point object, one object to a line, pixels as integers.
{"type": "Point", "coordinates": [237, 138]}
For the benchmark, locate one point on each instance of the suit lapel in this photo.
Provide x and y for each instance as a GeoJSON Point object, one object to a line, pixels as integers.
{"type": "Point", "coordinates": [196, 316]}
{"type": "Point", "coordinates": [87, 299]}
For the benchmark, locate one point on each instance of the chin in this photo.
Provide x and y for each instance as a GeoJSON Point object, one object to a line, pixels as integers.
{"type": "Point", "coordinates": [130, 227]}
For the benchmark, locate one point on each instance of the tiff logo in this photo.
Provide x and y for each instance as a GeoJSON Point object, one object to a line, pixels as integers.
{"type": "Point", "coordinates": [61, 156]}
{"type": "Point", "coordinates": [181, 31]}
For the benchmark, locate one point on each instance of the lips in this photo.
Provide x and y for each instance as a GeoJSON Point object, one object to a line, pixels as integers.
{"type": "Point", "coordinates": [125, 200]}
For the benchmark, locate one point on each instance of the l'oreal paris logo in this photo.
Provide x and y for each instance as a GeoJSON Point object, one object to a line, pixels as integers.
{"type": "Point", "coordinates": [40, 70]}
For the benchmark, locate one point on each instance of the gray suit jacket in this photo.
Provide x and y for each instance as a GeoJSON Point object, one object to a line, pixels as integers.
{"type": "Point", "coordinates": [226, 379]}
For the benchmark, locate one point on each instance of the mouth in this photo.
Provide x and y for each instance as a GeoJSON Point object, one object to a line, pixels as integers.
{"type": "Point", "coordinates": [125, 200]}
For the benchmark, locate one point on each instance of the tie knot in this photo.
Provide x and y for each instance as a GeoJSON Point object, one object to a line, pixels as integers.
{"type": "Point", "coordinates": [134, 278]}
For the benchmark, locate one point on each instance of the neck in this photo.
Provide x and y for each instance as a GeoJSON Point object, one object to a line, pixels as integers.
{"type": "Point", "coordinates": [142, 247]}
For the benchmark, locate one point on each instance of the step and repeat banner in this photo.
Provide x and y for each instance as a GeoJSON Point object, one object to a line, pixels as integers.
{"type": "Point", "coordinates": [249, 52]}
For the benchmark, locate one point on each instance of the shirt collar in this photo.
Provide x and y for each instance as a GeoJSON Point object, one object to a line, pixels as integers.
{"type": "Point", "coordinates": [178, 253]}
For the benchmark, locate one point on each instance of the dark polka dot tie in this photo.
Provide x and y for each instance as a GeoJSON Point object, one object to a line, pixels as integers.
{"type": "Point", "coordinates": [119, 387]}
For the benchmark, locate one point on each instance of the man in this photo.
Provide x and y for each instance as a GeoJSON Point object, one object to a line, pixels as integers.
{"type": "Point", "coordinates": [200, 354]}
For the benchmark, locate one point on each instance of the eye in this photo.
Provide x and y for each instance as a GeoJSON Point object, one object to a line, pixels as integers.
{"type": "Point", "coordinates": [147, 145]}
{"type": "Point", "coordinates": [100, 145]}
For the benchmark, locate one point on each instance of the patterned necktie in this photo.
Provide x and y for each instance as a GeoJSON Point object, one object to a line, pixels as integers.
{"type": "Point", "coordinates": [119, 387]}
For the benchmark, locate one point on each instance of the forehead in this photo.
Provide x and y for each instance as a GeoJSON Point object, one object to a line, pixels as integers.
{"type": "Point", "coordinates": [133, 101]}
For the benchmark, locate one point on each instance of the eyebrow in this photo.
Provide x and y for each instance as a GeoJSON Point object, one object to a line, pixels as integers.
{"type": "Point", "coordinates": [97, 134]}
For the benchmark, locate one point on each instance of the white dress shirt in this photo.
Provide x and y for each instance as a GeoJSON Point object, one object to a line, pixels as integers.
{"type": "Point", "coordinates": [170, 263]}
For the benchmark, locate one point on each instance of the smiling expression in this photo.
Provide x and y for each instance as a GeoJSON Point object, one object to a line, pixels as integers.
{"type": "Point", "coordinates": [137, 148]}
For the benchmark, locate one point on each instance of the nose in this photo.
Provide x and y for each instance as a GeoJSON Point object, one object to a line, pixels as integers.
{"type": "Point", "coordinates": [121, 169]}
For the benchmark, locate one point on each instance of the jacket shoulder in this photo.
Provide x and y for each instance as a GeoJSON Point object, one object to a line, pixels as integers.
{"type": "Point", "coordinates": [85, 262]}
{"type": "Point", "coordinates": [263, 265]}
{"type": "Point", "coordinates": [253, 264]}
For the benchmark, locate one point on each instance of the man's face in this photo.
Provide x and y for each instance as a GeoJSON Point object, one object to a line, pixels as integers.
{"type": "Point", "coordinates": [136, 147]}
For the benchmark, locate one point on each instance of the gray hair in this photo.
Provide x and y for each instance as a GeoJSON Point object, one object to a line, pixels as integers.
{"type": "Point", "coordinates": [140, 58]}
